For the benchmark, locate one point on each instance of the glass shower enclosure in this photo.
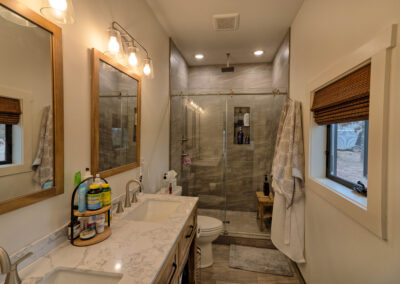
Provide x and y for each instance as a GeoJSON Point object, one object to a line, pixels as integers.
{"type": "Point", "coordinates": [222, 146]}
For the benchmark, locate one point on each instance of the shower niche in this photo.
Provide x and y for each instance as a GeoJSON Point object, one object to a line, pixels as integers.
{"type": "Point", "coordinates": [241, 126]}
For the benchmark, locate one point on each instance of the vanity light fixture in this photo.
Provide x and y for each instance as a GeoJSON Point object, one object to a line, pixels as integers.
{"type": "Point", "coordinates": [122, 42]}
{"type": "Point", "coordinates": [59, 11]}
{"type": "Point", "coordinates": [258, 52]}
{"type": "Point", "coordinates": [113, 44]}
{"type": "Point", "coordinates": [133, 61]}
{"type": "Point", "coordinates": [199, 56]}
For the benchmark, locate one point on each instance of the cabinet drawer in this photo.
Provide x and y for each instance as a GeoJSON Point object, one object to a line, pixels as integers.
{"type": "Point", "coordinates": [169, 271]}
{"type": "Point", "coordinates": [189, 231]}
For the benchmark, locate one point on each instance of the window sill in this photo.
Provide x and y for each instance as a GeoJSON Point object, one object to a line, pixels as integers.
{"type": "Point", "coordinates": [343, 191]}
{"type": "Point", "coordinates": [12, 169]}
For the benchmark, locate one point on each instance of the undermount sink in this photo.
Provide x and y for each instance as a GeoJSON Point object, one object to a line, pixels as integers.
{"type": "Point", "coordinates": [63, 275]}
{"type": "Point", "coordinates": [156, 211]}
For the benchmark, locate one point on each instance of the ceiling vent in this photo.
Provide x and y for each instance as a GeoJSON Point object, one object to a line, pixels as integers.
{"type": "Point", "coordinates": [226, 22]}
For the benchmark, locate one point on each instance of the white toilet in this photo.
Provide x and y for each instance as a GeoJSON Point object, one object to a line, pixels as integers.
{"type": "Point", "coordinates": [210, 228]}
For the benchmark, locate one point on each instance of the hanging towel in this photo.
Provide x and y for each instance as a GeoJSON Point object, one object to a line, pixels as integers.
{"type": "Point", "coordinates": [287, 229]}
{"type": "Point", "coordinates": [43, 163]}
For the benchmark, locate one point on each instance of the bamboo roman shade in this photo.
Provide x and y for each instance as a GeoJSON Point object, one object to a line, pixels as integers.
{"type": "Point", "coordinates": [345, 100]}
{"type": "Point", "coordinates": [10, 111]}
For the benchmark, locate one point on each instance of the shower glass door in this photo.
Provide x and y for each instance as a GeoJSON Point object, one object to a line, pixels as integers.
{"type": "Point", "coordinates": [198, 143]}
{"type": "Point", "coordinates": [221, 147]}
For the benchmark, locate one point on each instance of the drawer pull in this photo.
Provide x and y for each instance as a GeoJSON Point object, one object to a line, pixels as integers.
{"type": "Point", "coordinates": [173, 272]}
{"type": "Point", "coordinates": [191, 231]}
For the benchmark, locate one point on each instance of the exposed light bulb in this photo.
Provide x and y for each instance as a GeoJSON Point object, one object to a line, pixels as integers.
{"type": "Point", "coordinates": [147, 69]}
{"type": "Point", "coordinates": [113, 45]}
{"type": "Point", "coordinates": [258, 52]}
{"type": "Point", "coordinates": [133, 61]}
{"type": "Point", "coordinates": [60, 5]}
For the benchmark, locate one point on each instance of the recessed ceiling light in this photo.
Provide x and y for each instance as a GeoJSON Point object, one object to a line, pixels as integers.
{"type": "Point", "coordinates": [199, 56]}
{"type": "Point", "coordinates": [258, 52]}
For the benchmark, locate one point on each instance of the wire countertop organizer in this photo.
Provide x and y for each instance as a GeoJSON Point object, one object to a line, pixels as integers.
{"type": "Point", "coordinates": [75, 213]}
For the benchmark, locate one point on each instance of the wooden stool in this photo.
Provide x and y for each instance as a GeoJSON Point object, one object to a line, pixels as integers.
{"type": "Point", "coordinates": [262, 203]}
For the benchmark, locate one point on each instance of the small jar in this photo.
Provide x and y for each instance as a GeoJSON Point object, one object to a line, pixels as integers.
{"type": "Point", "coordinates": [94, 197]}
{"type": "Point", "coordinates": [106, 195]}
{"type": "Point", "coordinates": [77, 228]}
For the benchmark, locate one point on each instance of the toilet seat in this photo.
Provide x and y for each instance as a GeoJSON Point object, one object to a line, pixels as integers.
{"type": "Point", "coordinates": [209, 225]}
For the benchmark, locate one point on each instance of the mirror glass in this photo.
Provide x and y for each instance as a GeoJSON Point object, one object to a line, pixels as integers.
{"type": "Point", "coordinates": [118, 118]}
{"type": "Point", "coordinates": [26, 110]}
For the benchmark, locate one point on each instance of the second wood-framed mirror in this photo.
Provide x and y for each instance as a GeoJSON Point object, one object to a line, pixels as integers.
{"type": "Point", "coordinates": [115, 116]}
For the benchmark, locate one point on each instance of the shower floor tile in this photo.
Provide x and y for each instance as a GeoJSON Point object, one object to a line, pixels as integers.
{"type": "Point", "coordinates": [240, 222]}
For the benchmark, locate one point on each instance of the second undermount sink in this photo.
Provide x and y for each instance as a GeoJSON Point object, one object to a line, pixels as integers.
{"type": "Point", "coordinates": [64, 275]}
{"type": "Point", "coordinates": [156, 211]}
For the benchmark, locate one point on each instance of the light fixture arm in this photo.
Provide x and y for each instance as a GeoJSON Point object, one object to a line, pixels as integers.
{"type": "Point", "coordinates": [116, 26]}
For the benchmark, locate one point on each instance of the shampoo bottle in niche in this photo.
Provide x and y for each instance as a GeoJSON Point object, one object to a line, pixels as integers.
{"type": "Point", "coordinates": [266, 186]}
{"type": "Point", "coordinates": [240, 136]}
{"type": "Point", "coordinates": [246, 119]}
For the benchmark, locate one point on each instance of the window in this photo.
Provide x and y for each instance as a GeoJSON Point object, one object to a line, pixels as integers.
{"type": "Point", "coordinates": [5, 144]}
{"type": "Point", "coordinates": [347, 153]}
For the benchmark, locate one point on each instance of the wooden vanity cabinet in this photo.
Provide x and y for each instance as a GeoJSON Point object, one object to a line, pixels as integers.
{"type": "Point", "coordinates": [183, 251]}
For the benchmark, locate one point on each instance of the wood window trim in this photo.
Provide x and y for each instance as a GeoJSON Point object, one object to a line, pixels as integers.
{"type": "Point", "coordinates": [369, 212]}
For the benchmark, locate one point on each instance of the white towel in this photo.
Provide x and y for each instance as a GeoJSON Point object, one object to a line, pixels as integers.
{"type": "Point", "coordinates": [43, 163]}
{"type": "Point", "coordinates": [287, 230]}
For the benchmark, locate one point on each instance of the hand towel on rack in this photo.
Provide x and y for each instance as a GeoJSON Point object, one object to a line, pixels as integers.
{"type": "Point", "coordinates": [287, 230]}
{"type": "Point", "coordinates": [43, 163]}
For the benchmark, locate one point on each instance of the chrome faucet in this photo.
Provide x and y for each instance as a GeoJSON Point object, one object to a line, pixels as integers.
{"type": "Point", "coordinates": [6, 267]}
{"type": "Point", "coordinates": [134, 197]}
{"type": "Point", "coordinates": [118, 203]}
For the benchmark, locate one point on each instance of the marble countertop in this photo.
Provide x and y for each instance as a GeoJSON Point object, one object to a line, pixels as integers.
{"type": "Point", "coordinates": [136, 249]}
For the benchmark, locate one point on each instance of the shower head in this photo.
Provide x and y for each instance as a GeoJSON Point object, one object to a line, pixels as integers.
{"type": "Point", "coordinates": [227, 68]}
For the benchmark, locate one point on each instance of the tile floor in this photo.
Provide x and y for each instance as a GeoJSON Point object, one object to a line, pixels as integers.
{"type": "Point", "coordinates": [240, 221]}
{"type": "Point", "coordinates": [221, 273]}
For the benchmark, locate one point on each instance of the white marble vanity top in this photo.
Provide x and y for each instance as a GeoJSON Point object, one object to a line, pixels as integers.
{"type": "Point", "coordinates": [136, 249]}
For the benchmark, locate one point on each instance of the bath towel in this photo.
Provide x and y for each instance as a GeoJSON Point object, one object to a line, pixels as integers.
{"type": "Point", "coordinates": [43, 163]}
{"type": "Point", "coordinates": [287, 229]}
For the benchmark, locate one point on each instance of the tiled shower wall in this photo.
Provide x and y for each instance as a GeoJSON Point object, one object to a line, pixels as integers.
{"type": "Point", "coordinates": [245, 165]}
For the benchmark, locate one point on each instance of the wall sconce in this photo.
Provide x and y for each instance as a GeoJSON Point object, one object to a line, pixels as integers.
{"type": "Point", "coordinates": [59, 11]}
{"type": "Point", "coordinates": [122, 42]}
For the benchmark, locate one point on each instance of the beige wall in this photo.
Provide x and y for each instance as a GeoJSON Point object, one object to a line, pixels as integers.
{"type": "Point", "coordinates": [339, 250]}
{"type": "Point", "coordinates": [280, 65]}
{"type": "Point", "coordinates": [20, 227]}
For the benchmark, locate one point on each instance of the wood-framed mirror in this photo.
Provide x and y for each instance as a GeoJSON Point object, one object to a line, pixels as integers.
{"type": "Point", "coordinates": [31, 107]}
{"type": "Point", "coordinates": [116, 114]}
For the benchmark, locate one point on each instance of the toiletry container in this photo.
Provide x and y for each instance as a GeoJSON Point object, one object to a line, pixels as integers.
{"type": "Point", "coordinates": [100, 220]}
{"type": "Point", "coordinates": [266, 186]}
{"type": "Point", "coordinates": [88, 175]}
{"type": "Point", "coordinates": [246, 119]}
{"type": "Point", "coordinates": [106, 194]}
{"type": "Point", "coordinates": [94, 197]}
{"type": "Point", "coordinates": [82, 191]}
{"type": "Point", "coordinates": [240, 136]}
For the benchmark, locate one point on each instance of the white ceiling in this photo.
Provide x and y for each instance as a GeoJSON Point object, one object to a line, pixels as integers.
{"type": "Point", "coordinates": [263, 25]}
